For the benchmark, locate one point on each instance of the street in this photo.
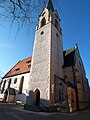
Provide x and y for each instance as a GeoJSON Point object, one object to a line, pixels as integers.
{"type": "Point", "coordinates": [15, 112]}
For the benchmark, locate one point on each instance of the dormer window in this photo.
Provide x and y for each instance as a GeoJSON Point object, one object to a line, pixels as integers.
{"type": "Point", "coordinates": [29, 66]}
{"type": "Point", "coordinates": [17, 69]}
{"type": "Point", "coordinates": [43, 22]}
{"type": "Point", "coordinates": [28, 61]}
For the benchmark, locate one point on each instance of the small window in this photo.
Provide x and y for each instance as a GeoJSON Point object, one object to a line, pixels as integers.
{"type": "Point", "coordinates": [60, 84]}
{"type": "Point", "coordinates": [57, 35]}
{"type": "Point", "coordinates": [56, 16]}
{"type": "Point", "coordinates": [15, 80]}
{"type": "Point", "coordinates": [28, 61]}
{"type": "Point", "coordinates": [29, 66]}
{"type": "Point", "coordinates": [17, 69]}
{"type": "Point", "coordinates": [61, 96]}
{"type": "Point", "coordinates": [56, 23]}
{"type": "Point", "coordinates": [42, 32]}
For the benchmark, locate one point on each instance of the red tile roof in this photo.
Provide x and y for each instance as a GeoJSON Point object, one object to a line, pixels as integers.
{"type": "Point", "coordinates": [21, 67]}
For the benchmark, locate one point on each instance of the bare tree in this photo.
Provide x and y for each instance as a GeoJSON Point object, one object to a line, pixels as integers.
{"type": "Point", "coordinates": [22, 11]}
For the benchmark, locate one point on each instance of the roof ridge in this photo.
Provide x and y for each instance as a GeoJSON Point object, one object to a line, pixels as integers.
{"type": "Point", "coordinates": [69, 49]}
{"type": "Point", "coordinates": [26, 58]}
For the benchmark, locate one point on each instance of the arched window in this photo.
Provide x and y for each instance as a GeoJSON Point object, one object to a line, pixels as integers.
{"type": "Point", "coordinates": [9, 83]}
{"type": "Point", "coordinates": [15, 80]}
{"type": "Point", "coordinates": [3, 86]}
{"type": "Point", "coordinates": [43, 22]}
{"type": "Point", "coordinates": [21, 85]}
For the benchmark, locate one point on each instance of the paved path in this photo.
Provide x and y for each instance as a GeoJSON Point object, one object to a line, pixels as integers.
{"type": "Point", "coordinates": [14, 112]}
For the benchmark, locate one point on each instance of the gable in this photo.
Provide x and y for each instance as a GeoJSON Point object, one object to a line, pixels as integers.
{"type": "Point", "coordinates": [69, 57]}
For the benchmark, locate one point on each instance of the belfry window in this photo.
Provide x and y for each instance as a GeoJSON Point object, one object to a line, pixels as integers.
{"type": "Point", "coordinates": [43, 22]}
{"type": "Point", "coordinates": [56, 23]}
{"type": "Point", "coordinates": [43, 13]}
{"type": "Point", "coordinates": [56, 16]}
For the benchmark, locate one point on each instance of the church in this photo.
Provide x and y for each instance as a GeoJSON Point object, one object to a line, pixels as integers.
{"type": "Point", "coordinates": [52, 79]}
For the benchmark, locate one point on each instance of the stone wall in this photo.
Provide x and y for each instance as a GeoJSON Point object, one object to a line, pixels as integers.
{"type": "Point", "coordinates": [40, 68]}
{"type": "Point", "coordinates": [68, 73]}
{"type": "Point", "coordinates": [56, 59]}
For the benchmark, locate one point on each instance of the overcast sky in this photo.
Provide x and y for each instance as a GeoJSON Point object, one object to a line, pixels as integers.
{"type": "Point", "coordinates": [75, 22]}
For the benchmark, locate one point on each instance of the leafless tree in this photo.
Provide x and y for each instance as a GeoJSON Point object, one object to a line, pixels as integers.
{"type": "Point", "coordinates": [22, 11]}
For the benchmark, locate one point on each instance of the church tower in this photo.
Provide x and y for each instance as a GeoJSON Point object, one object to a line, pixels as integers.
{"type": "Point", "coordinates": [47, 58]}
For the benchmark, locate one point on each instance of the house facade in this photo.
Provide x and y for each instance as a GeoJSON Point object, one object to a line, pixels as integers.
{"type": "Point", "coordinates": [15, 82]}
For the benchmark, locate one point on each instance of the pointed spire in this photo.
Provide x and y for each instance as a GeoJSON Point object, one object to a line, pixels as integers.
{"type": "Point", "coordinates": [50, 5]}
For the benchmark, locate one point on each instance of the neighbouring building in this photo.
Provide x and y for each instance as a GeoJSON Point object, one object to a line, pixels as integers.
{"type": "Point", "coordinates": [15, 82]}
{"type": "Point", "coordinates": [74, 73]}
{"type": "Point", "coordinates": [52, 79]}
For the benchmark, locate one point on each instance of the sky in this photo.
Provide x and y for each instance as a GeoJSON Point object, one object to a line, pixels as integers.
{"type": "Point", "coordinates": [75, 22]}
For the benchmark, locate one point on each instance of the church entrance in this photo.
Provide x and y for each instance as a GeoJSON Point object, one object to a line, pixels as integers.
{"type": "Point", "coordinates": [37, 97]}
{"type": "Point", "coordinates": [9, 95]}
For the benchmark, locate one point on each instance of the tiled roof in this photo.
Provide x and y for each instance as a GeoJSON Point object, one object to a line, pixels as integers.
{"type": "Point", "coordinates": [69, 56]}
{"type": "Point", "coordinates": [21, 67]}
